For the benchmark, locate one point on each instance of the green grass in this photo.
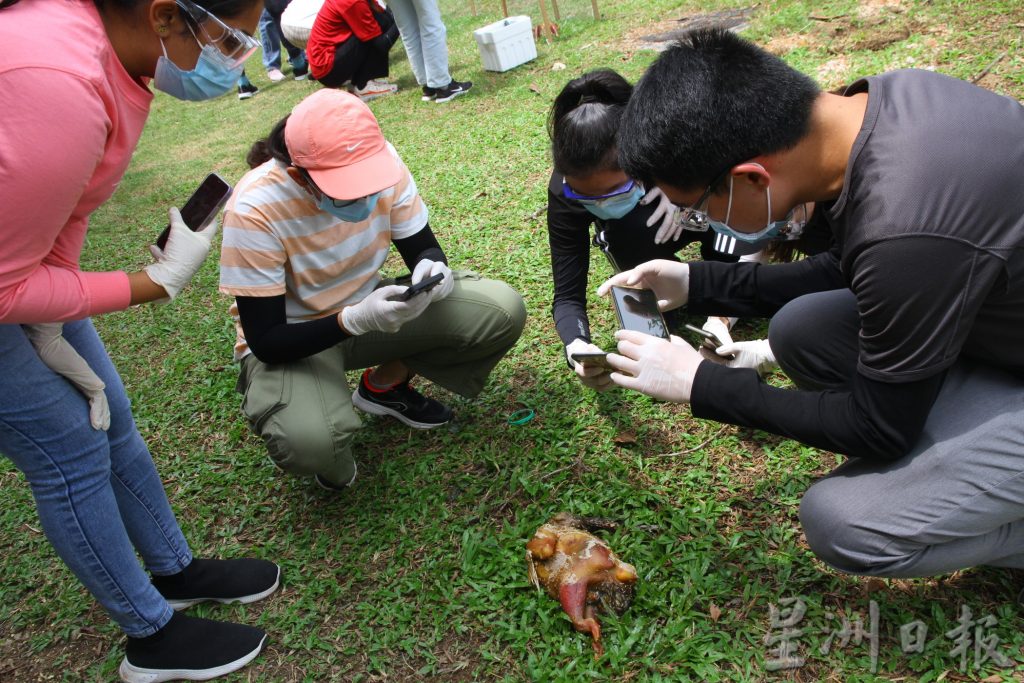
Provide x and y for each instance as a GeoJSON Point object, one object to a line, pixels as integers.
{"type": "Point", "coordinates": [417, 573]}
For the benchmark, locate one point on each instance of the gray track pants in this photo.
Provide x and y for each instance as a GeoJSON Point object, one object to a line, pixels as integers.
{"type": "Point", "coordinates": [955, 501]}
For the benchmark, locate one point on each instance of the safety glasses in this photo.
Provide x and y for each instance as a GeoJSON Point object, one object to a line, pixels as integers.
{"type": "Point", "coordinates": [695, 216]}
{"type": "Point", "coordinates": [593, 199]}
{"type": "Point", "coordinates": [337, 203]}
{"type": "Point", "coordinates": [236, 45]}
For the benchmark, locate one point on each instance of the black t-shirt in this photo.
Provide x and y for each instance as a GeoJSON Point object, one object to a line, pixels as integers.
{"type": "Point", "coordinates": [628, 242]}
{"type": "Point", "coordinates": [929, 231]}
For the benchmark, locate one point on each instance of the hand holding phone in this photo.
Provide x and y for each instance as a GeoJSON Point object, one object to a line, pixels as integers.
{"type": "Point", "coordinates": [708, 339]}
{"type": "Point", "coordinates": [424, 285]}
{"type": "Point", "coordinates": [592, 359]}
{"type": "Point", "coordinates": [209, 198]}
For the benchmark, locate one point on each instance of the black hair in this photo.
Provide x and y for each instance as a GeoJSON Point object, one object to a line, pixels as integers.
{"type": "Point", "coordinates": [583, 122]}
{"type": "Point", "coordinates": [221, 8]}
{"type": "Point", "coordinates": [270, 147]}
{"type": "Point", "coordinates": [709, 102]}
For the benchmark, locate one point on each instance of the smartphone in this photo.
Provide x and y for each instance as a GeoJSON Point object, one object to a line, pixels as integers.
{"type": "Point", "coordinates": [637, 310]}
{"type": "Point", "coordinates": [209, 198]}
{"type": "Point", "coordinates": [592, 359]}
{"type": "Point", "coordinates": [710, 339]}
{"type": "Point", "coordinates": [424, 285]}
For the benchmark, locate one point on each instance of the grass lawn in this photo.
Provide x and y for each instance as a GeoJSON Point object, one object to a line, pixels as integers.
{"type": "Point", "coordinates": [418, 573]}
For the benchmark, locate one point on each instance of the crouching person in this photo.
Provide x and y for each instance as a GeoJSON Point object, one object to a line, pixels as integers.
{"type": "Point", "coordinates": [305, 235]}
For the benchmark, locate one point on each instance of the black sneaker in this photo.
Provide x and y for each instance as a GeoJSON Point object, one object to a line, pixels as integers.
{"type": "Point", "coordinates": [192, 649]}
{"type": "Point", "coordinates": [243, 580]}
{"type": "Point", "coordinates": [452, 90]}
{"type": "Point", "coordinates": [429, 93]}
{"type": "Point", "coordinates": [402, 402]}
{"type": "Point", "coordinates": [301, 74]}
{"type": "Point", "coordinates": [246, 91]}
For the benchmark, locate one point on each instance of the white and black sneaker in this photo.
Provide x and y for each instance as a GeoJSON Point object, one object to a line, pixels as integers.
{"type": "Point", "coordinates": [242, 580]}
{"type": "Point", "coordinates": [246, 91]}
{"type": "Point", "coordinates": [451, 91]}
{"type": "Point", "coordinates": [401, 402]}
{"type": "Point", "coordinates": [191, 649]}
{"type": "Point", "coordinates": [429, 93]}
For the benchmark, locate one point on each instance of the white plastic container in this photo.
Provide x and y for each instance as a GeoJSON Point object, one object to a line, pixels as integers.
{"type": "Point", "coordinates": [506, 44]}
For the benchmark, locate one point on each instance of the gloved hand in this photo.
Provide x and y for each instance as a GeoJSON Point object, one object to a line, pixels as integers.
{"type": "Point", "coordinates": [58, 355]}
{"type": "Point", "coordinates": [592, 376]}
{"type": "Point", "coordinates": [750, 354]}
{"type": "Point", "coordinates": [426, 268]}
{"type": "Point", "coordinates": [381, 311]}
{"type": "Point", "coordinates": [718, 328]}
{"type": "Point", "coordinates": [666, 214]}
{"type": "Point", "coordinates": [654, 366]}
{"type": "Point", "coordinates": [670, 281]}
{"type": "Point", "coordinates": [183, 254]}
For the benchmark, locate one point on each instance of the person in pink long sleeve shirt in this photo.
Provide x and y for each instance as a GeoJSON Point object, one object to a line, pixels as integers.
{"type": "Point", "coordinates": [74, 76]}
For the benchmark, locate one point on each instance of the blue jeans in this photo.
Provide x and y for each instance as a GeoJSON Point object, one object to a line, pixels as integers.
{"type": "Point", "coordinates": [98, 494]}
{"type": "Point", "coordinates": [271, 38]}
{"type": "Point", "coordinates": [425, 38]}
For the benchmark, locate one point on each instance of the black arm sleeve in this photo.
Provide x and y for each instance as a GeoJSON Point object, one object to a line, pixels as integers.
{"type": "Point", "coordinates": [876, 420]}
{"type": "Point", "coordinates": [755, 290]}
{"type": "Point", "coordinates": [417, 247]}
{"type": "Point", "coordinates": [273, 340]}
{"type": "Point", "coordinates": [569, 238]}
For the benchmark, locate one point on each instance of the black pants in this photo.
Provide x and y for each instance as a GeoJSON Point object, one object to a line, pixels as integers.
{"type": "Point", "coordinates": [625, 251]}
{"type": "Point", "coordinates": [358, 62]}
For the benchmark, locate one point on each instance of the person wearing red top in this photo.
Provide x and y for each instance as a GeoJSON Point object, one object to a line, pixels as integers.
{"type": "Point", "coordinates": [349, 46]}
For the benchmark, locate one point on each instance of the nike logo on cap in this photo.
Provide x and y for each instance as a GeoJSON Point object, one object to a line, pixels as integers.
{"type": "Point", "coordinates": [352, 148]}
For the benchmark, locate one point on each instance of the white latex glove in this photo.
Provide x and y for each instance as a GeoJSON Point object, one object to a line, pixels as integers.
{"type": "Point", "coordinates": [665, 216]}
{"type": "Point", "coordinates": [183, 254]}
{"type": "Point", "coordinates": [654, 366]}
{"type": "Point", "coordinates": [718, 328]}
{"type": "Point", "coordinates": [670, 281]}
{"type": "Point", "coordinates": [382, 311]}
{"type": "Point", "coordinates": [750, 354]}
{"type": "Point", "coordinates": [426, 268]}
{"type": "Point", "coordinates": [58, 355]}
{"type": "Point", "coordinates": [592, 376]}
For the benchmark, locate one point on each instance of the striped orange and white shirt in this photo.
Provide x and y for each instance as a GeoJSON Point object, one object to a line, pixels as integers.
{"type": "Point", "coordinates": [276, 241]}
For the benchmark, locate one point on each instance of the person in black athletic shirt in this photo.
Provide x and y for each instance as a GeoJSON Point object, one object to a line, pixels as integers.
{"type": "Point", "coordinates": [906, 339]}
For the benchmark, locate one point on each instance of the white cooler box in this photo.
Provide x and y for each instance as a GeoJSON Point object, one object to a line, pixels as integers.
{"type": "Point", "coordinates": [506, 44]}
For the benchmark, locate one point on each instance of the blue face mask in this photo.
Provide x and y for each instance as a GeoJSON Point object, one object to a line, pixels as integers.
{"type": "Point", "coordinates": [617, 206]}
{"type": "Point", "coordinates": [212, 76]}
{"type": "Point", "coordinates": [786, 229]}
{"type": "Point", "coordinates": [359, 210]}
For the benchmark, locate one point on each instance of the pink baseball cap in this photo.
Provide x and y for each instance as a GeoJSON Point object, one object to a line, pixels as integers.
{"type": "Point", "coordinates": [335, 138]}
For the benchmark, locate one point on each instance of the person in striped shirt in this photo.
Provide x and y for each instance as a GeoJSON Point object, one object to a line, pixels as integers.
{"type": "Point", "coordinates": [305, 236]}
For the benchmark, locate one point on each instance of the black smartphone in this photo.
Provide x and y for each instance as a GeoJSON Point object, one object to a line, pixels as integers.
{"type": "Point", "coordinates": [424, 285]}
{"type": "Point", "coordinates": [209, 198]}
{"type": "Point", "coordinates": [638, 311]}
{"type": "Point", "coordinates": [592, 358]}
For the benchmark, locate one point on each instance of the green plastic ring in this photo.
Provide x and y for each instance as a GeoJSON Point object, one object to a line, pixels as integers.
{"type": "Point", "coordinates": [521, 417]}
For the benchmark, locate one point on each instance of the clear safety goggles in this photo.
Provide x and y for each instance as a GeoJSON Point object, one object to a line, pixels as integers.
{"type": "Point", "coordinates": [236, 45]}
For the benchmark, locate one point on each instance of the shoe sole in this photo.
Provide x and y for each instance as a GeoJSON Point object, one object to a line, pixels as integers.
{"type": "Point", "coordinates": [137, 674]}
{"type": "Point", "coordinates": [375, 409]}
{"type": "Point", "coordinates": [177, 605]}
{"type": "Point", "coordinates": [451, 97]}
{"type": "Point", "coordinates": [337, 489]}
{"type": "Point", "coordinates": [246, 96]}
{"type": "Point", "coordinates": [373, 96]}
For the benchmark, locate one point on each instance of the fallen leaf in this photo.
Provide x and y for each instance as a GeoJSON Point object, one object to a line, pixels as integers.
{"type": "Point", "coordinates": [874, 585]}
{"type": "Point", "coordinates": [625, 438]}
{"type": "Point", "coordinates": [534, 88]}
{"type": "Point", "coordinates": [714, 612]}
{"type": "Point", "coordinates": [557, 66]}
{"type": "Point", "coordinates": [994, 678]}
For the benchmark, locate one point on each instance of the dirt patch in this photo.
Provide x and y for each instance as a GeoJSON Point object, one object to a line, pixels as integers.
{"type": "Point", "coordinates": [658, 36]}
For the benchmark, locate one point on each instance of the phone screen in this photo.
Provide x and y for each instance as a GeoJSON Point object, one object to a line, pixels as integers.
{"type": "Point", "coordinates": [206, 201]}
{"type": "Point", "coordinates": [638, 311]}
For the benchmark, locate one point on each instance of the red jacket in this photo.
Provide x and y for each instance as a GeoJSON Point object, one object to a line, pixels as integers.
{"type": "Point", "coordinates": [338, 21]}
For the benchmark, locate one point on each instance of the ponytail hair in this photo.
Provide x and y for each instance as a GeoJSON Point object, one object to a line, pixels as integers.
{"type": "Point", "coordinates": [584, 120]}
{"type": "Point", "coordinates": [270, 147]}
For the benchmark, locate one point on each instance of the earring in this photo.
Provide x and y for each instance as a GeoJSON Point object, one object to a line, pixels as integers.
{"type": "Point", "coordinates": [161, 29]}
